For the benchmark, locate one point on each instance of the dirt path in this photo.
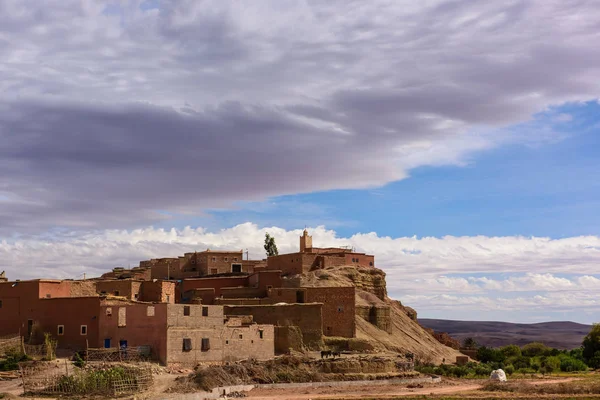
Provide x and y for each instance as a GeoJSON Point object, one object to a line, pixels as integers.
{"type": "Point", "coordinates": [359, 392]}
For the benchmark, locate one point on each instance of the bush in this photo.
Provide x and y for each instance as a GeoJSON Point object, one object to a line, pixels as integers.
{"type": "Point", "coordinates": [571, 364]}
{"type": "Point", "coordinates": [509, 369]}
{"type": "Point", "coordinates": [487, 354]}
{"type": "Point", "coordinates": [512, 350]}
{"type": "Point", "coordinates": [535, 349]}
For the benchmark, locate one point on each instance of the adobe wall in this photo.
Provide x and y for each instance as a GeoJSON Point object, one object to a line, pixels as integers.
{"type": "Point", "coordinates": [85, 288]}
{"type": "Point", "coordinates": [243, 342]}
{"type": "Point", "coordinates": [195, 319]}
{"type": "Point", "coordinates": [70, 312]}
{"type": "Point", "coordinates": [218, 262]}
{"type": "Point", "coordinates": [292, 264]}
{"type": "Point", "coordinates": [288, 338]}
{"type": "Point", "coordinates": [240, 302]}
{"type": "Point", "coordinates": [308, 317]}
{"type": "Point", "coordinates": [16, 300]}
{"type": "Point", "coordinates": [139, 324]}
{"type": "Point", "coordinates": [265, 279]}
{"type": "Point", "coordinates": [176, 354]}
{"type": "Point", "coordinates": [52, 289]}
{"type": "Point", "coordinates": [363, 260]}
{"type": "Point", "coordinates": [199, 296]}
{"type": "Point", "coordinates": [216, 283]}
{"type": "Point", "coordinates": [242, 292]}
{"type": "Point", "coordinates": [338, 309]}
{"type": "Point", "coordinates": [159, 291]}
{"type": "Point", "coordinates": [338, 306]}
{"type": "Point", "coordinates": [124, 288]}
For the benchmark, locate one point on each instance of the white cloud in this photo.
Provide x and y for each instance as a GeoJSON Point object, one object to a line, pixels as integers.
{"type": "Point", "coordinates": [111, 114]}
{"type": "Point", "coordinates": [476, 274]}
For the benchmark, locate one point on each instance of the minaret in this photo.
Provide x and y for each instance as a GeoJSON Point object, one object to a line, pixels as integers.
{"type": "Point", "coordinates": [305, 243]}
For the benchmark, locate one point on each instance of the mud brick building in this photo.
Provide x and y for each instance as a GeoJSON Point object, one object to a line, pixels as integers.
{"type": "Point", "coordinates": [310, 258]}
{"type": "Point", "coordinates": [338, 311]}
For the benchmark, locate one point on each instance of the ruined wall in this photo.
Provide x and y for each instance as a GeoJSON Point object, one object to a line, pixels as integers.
{"type": "Point", "coordinates": [307, 317]}
{"type": "Point", "coordinates": [379, 316]}
{"type": "Point", "coordinates": [370, 280]}
{"type": "Point", "coordinates": [124, 288]}
{"type": "Point", "coordinates": [85, 288]}
{"type": "Point", "coordinates": [288, 338]}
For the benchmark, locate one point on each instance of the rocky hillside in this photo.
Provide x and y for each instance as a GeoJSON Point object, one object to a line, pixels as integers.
{"type": "Point", "coordinates": [406, 334]}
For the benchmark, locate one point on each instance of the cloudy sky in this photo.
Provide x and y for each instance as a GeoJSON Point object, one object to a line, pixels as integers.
{"type": "Point", "coordinates": [457, 141]}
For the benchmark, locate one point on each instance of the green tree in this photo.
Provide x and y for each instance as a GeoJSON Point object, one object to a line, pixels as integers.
{"type": "Point", "coordinates": [591, 347]}
{"type": "Point", "coordinates": [512, 350]}
{"type": "Point", "coordinates": [270, 246]}
{"type": "Point", "coordinates": [469, 343]}
{"type": "Point", "coordinates": [535, 349]}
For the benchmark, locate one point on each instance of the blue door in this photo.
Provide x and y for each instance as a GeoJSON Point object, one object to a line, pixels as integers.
{"type": "Point", "coordinates": [123, 344]}
{"type": "Point", "coordinates": [107, 343]}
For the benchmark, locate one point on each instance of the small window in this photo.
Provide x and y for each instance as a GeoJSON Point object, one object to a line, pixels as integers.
{"type": "Point", "coordinates": [136, 296]}
{"type": "Point", "coordinates": [292, 260]}
{"type": "Point", "coordinates": [83, 329]}
{"type": "Point", "coordinates": [187, 344]}
{"type": "Point", "coordinates": [48, 295]}
{"type": "Point", "coordinates": [61, 330]}
{"type": "Point", "coordinates": [205, 311]}
{"type": "Point", "coordinates": [234, 258]}
{"type": "Point", "coordinates": [340, 309]}
{"type": "Point", "coordinates": [205, 344]}
{"type": "Point", "coordinates": [226, 259]}
{"type": "Point", "coordinates": [269, 287]}
{"type": "Point", "coordinates": [168, 298]}
{"type": "Point", "coordinates": [261, 334]}
{"type": "Point", "coordinates": [108, 311]}
{"type": "Point", "coordinates": [370, 263]}
{"type": "Point", "coordinates": [116, 292]}
{"type": "Point", "coordinates": [214, 259]}
{"type": "Point", "coordinates": [227, 342]}
{"type": "Point", "coordinates": [193, 261]}
{"type": "Point", "coordinates": [241, 336]}
{"type": "Point", "coordinates": [213, 271]}
{"type": "Point", "coordinates": [0, 303]}
{"type": "Point", "coordinates": [186, 310]}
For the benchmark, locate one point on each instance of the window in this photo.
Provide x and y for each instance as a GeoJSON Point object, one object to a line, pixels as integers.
{"type": "Point", "coordinates": [205, 311]}
{"type": "Point", "coordinates": [83, 329]}
{"type": "Point", "coordinates": [340, 309]}
{"type": "Point", "coordinates": [234, 258]}
{"type": "Point", "coordinates": [150, 311]}
{"type": "Point", "coordinates": [227, 342]}
{"type": "Point", "coordinates": [226, 259]}
{"type": "Point", "coordinates": [261, 334]}
{"type": "Point", "coordinates": [48, 295]}
{"type": "Point", "coordinates": [61, 330]}
{"type": "Point", "coordinates": [213, 271]}
{"type": "Point", "coordinates": [186, 310]}
{"type": "Point", "coordinates": [370, 263]}
{"type": "Point", "coordinates": [116, 292]}
{"type": "Point", "coordinates": [236, 268]}
{"type": "Point", "coordinates": [269, 287]}
{"type": "Point", "coordinates": [187, 344]}
{"type": "Point", "coordinates": [0, 303]}
{"type": "Point", "coordinates": [205, 344]}
{"type": "Point", "coordinates": [214, 259]}
{"type": "Point", "coordinates": [193, 261]}
{"type": "Point", "coordinates": [168, 298]}
{"type": "Point", "coordinates": [241, 336]}
{"type": "Point", "coordinates": [108, 311]}
{"type": "Point", "coordinates": [136, 296]}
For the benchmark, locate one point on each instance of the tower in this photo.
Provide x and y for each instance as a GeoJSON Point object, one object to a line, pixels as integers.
{"type": "Point", "coordinates": [305, 242]}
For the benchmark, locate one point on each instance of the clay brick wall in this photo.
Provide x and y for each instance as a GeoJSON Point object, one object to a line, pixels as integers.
{"type": "Point", "coordinates": [240, 302]}
{"type": "Point", "coordinates": [243, 342]}
{"type": "Point", "coordinates": [124, 288]}
{"type": "Point", "coordinates": [338, 309]}
{"type": "Point", "coordinates": [52, 289]}
{"type": "Point", "coordinates": [199, 296]}
{"type": "Point", "coordinates": [195, 319]}
{"type": "Point", "coordinates": [71, 313]}
{"type": "Point", "coordinates": [144, 325]}
{"type": "Point", "coordinates": [218, 262]}
{"type": "Point", "coordinates": [307, 317]}
{"type": "Point", "coordinates": [292, 264]}
{"type": "Point", "coordinates": [83, 289]}
{"type": "Point", "coordinates": [242, 292]}
{"type": "Point", "coordinates": [265, 279]}
{"type": "Point", "coordinates": [215, 283]}
{"type": "Point", "coordinates": [360, 259]}
{"type": "Point", "coordinates": [159, 291]}
{"type": "Point", "coordinates": [252, 266]}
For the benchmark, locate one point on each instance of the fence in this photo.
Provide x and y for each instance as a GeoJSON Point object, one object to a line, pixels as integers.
{"type": "Point", "coordinates": [115, 354]}
{"type": "Point", "coordinates": [10, 344]}
{"type": "Point", "coordinates": [113, 380]}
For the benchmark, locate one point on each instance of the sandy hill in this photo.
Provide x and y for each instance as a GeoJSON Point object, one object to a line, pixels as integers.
{"type": "Point", "coordinates": [407, 335]}
{"type": "Point", "coordinates": [560, 334]}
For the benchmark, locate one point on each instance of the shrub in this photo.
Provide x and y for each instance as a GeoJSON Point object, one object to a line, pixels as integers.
{"type": "Point", "coordinates": [509, 369]}
{"type": "Point", "coordinates": [534, 349]}
{"type": "Point", "coordinates": [512, 350]}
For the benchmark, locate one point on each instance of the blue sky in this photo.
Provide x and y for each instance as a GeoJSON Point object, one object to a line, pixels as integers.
{"type": "Point", "coordinates": [547, 189]}
{"type": "Point", "coordinates": [457, 141]}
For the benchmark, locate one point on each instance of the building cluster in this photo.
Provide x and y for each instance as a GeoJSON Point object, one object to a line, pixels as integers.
{"type": "Point", "coordinates": [209, 306]}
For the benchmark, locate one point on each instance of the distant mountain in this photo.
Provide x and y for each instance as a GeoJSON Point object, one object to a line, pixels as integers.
{"type": "Point", "coordinates": [560, 334]}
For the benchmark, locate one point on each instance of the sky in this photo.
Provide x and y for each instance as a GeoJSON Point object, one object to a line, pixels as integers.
{"type": "Point", "coordinates": [457, 141]}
